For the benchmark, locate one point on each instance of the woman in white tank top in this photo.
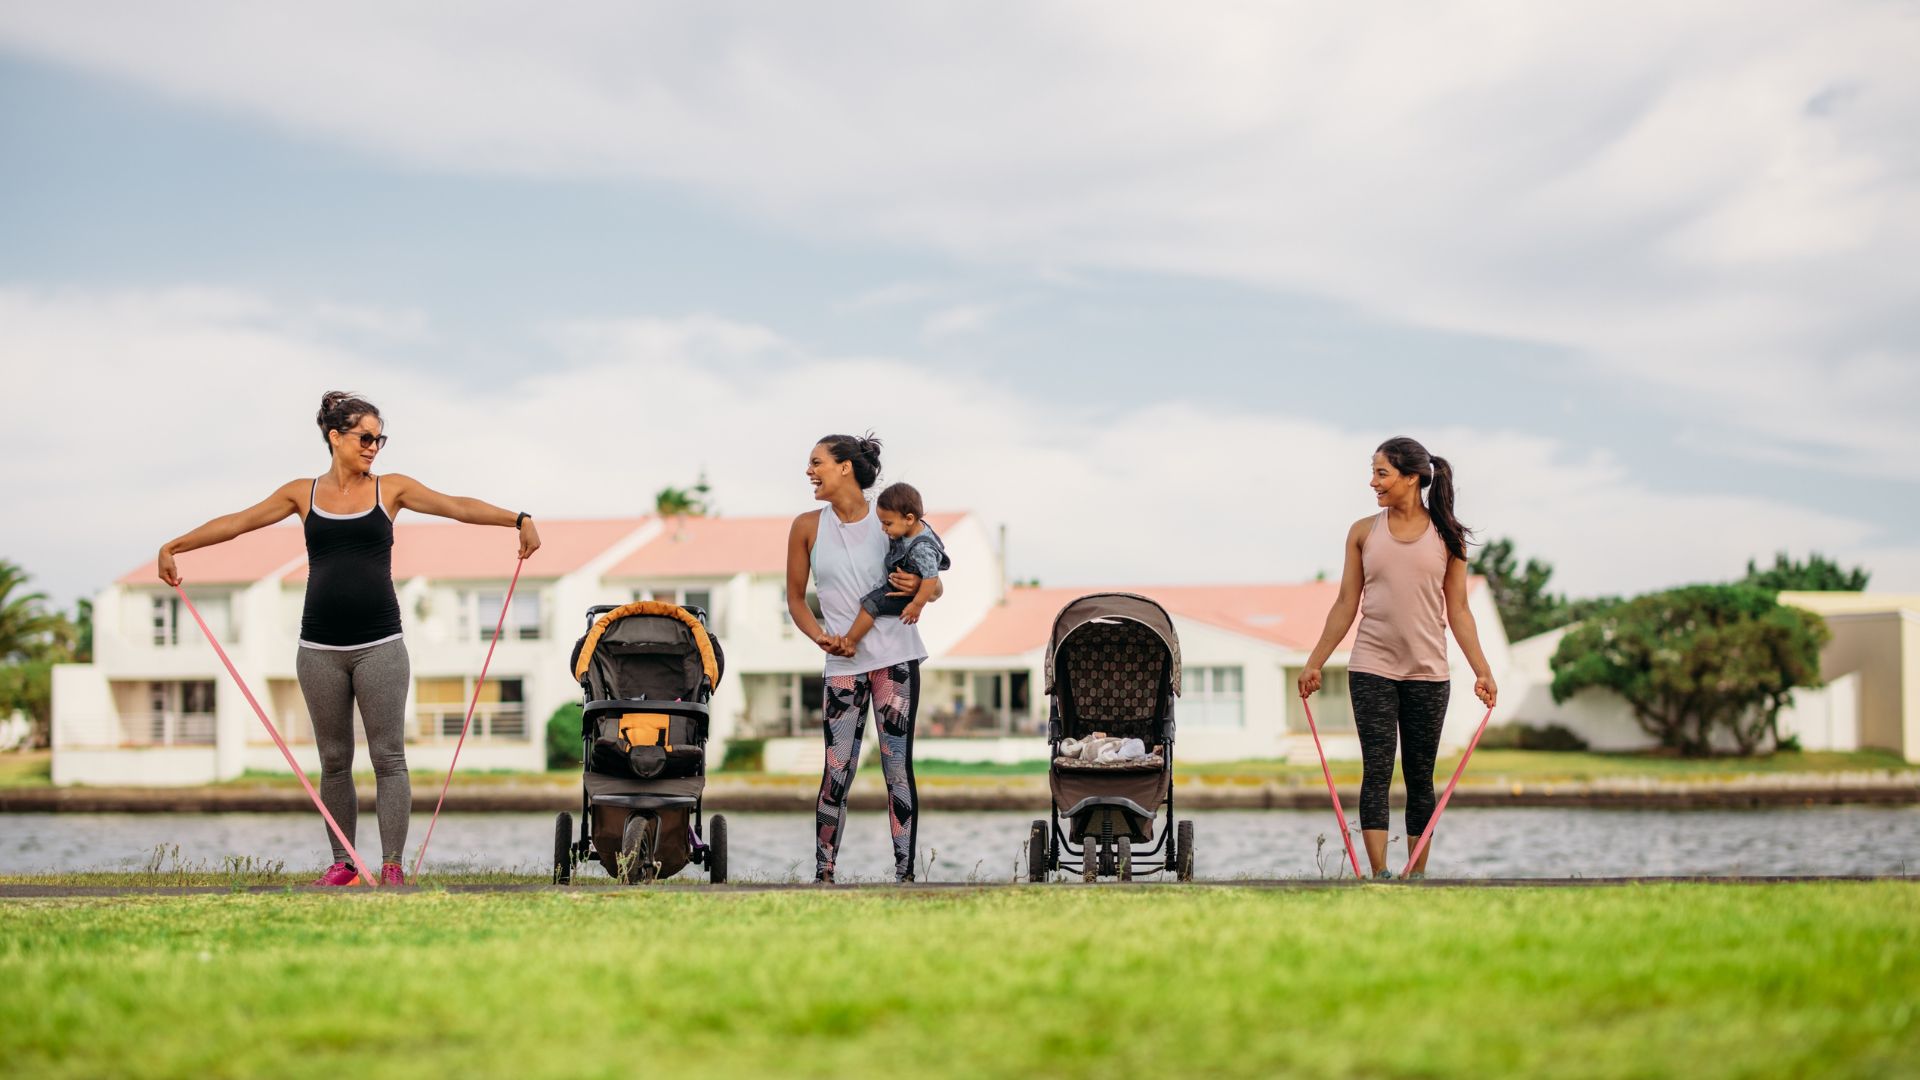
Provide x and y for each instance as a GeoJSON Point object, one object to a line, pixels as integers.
{"type": "Point", "coordinates": [1406, 577]}
{"type": "Point", "coordinates": [842, 548]}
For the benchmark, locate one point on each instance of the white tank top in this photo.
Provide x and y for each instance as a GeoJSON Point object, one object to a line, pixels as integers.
{"type": "Point", "coordinates": [848, 562]}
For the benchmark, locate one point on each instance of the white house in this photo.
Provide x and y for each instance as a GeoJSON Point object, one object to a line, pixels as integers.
{"type": "Point", "coordinates": [156, 707]}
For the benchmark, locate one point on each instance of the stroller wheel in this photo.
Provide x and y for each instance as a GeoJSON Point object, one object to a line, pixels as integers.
{"type": "Point", "coordinates": [1090, 860]}
{"type": "Point", "coordinates": [717, 849]}
{"type": "Point", "coordinates": [563, 849]}
{"type": "Point", "coordinates": [636, 851]}
{"type": "Point", "coordinates": [1123, 858]}
{"type": "Point", "coordinates": [1184, 871]}
{"type": "Point", "coordinates": [1037, 852]}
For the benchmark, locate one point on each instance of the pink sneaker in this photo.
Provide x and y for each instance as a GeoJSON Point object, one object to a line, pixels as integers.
{"type": "Point", "coordinates": [338, 874]}
{"type": "Point", "coordinates": [391, 874]}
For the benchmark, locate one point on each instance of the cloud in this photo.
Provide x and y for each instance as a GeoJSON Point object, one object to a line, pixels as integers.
{"type": "Point", "coordinates": [959, 319]}
{"type": "Point", "coordinates": [1717, 204]}
{"type": "Point", "coordinates": [147, 413]}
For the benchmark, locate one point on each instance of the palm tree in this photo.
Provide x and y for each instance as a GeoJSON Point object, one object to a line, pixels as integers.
{"type": "Point", "coordinates": [27, 629]}
{"type": "Point", "coordinates": [684, 502]}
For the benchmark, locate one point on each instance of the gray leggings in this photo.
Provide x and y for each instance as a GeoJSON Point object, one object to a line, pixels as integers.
{"type": "Point", "coordinates": [1414, 711]}
{"type": "Point", "coordinates": [376, 678]}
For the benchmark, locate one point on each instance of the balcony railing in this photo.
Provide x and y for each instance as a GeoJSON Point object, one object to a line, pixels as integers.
{"type": "Point", "coordinates": [489, 722]}
{"type": "Point", "coordinates": [167, 729]}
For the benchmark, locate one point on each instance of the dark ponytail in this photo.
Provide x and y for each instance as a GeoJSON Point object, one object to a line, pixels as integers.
{"type": "Point", "coordinates": [339, 411]}
{"type": "Point", "coordinates": [1409, 458]}
{"type": "Point", "coordinates": [863, 451]}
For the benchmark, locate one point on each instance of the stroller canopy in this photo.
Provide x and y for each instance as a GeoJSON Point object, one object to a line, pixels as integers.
{"type": "Point", "coordinates": [1110, 608]}
{"type": "Point", "coordinates": [649, 649]}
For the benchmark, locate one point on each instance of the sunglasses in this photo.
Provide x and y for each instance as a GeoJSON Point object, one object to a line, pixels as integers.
{"type": "Point", "coordinates": [366, 440]}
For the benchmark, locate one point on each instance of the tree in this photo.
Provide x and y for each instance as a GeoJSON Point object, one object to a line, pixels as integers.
{"type": "Point", "coordinates": [27, 628]}
{"type": "Point", "coordinates": [1526, 607]}
{"type": "Point", "coordinates": [685, 502]}
{"type": "Point", "coordinates": [1696, 662]}
{"type": "Point", "coordinates": [1817, 574]}
{"type": "Point", "coordinates": [32, 640]}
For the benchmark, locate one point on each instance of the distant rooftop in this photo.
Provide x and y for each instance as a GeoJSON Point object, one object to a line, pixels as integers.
{"type": "Point", "coordinates": [713, 547]}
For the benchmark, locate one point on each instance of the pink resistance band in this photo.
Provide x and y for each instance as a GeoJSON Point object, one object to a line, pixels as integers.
{"type": "Point", "coordinates": [421, 856]}
{"type": "Point", "coordinates": [359, 864]}
{"type": "Point", "coordinates": [1427, 836]}
{"type": "Point", "coordinates": [1328, 773]}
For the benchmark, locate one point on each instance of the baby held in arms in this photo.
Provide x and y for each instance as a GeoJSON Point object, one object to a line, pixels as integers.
{"type": "Point", "coordinates": [912, 547]}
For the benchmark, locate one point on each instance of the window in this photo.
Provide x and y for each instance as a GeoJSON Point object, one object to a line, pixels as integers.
{"type": "Point", "coordinates": [699, 597]}
{"type": "Point", "coordinates": [781, 705]}
{"type": "Point", "coordinates": [1332, 706]}
{"type": "Point", "coordinates": [177, 714]}
{"type": "Point", "coordinates": [168, 619]}
{"type": "Point", "coordinates": [1212, 697]}
{"type": "Point", "coordinates": [440, 707]}
{"type": "Point", "coordinates": [985, 703]}
{"type": "Point", "coordinates": [523, 621]}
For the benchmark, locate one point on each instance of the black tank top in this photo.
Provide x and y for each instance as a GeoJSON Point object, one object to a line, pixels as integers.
{"type": "Point", "coordinates": [350, 601]}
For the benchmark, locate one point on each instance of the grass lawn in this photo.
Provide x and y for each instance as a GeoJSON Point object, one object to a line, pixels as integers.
{"type": "Point", "coordinates": [26, 768]}
{"type": "Point", "coordinates": [1063, 981]}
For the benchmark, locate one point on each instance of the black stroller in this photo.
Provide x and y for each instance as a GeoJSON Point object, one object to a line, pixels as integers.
{"type": "Point", "coordinates": [647, 670]}
{"type": "Point", "coordinates": [1113, 668]}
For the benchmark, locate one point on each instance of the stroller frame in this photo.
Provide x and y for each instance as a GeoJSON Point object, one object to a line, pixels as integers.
{"type": "Point", "coordinates": [570, 851]}
{"type": "Point", "coordinates": [1109, 851]}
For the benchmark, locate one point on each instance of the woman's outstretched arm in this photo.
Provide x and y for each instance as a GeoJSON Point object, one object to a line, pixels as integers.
{"type": "Point", "coordinates": [411, 494]}
{"type": "Point", "coordinates": [280, 505]}
{"type": "Point", "coordinates": [1345, 607]}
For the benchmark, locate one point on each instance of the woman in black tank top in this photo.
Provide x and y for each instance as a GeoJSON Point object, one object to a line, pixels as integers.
{"type": "Point", "coordinates": [350, 629]}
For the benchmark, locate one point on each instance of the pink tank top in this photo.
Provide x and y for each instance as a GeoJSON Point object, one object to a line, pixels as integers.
{"type": "Point", "coordinates": [1403, 606]}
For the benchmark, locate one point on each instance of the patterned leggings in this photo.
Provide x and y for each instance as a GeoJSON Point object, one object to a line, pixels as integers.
{"type": "Point", "coordinates": [1413, 710]}
{"type": "Point", "coordinates": [895, 695]}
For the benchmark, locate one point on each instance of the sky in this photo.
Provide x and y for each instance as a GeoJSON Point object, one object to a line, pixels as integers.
{"type": "Point", "coordinates": [1145, 285]}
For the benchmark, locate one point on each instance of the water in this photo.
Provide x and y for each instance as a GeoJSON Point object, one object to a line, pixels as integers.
{"type": "Point", "coordinates": [991, 846]}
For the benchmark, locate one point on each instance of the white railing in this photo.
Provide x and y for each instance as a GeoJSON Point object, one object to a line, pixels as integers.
{"type": "Point", "coordinates": [489, 721]}
{"type": "Point", "coordinates": [167, 729]}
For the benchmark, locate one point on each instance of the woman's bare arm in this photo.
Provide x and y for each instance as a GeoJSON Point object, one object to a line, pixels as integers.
{"type": "Point", "coordinates": [411, 494]}
{"type": "Point", "coordinates": [1467, 632]}
{"type": "Point", "coordinates": [1345, 607]}
{"type": "Point", "coordinates": [282, 504]}
{"type": "Point", "coordinates": [800, 540]}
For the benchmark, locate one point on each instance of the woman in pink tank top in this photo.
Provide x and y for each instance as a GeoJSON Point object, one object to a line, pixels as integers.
{"type": "Point", "coordinates": [1406, 577]}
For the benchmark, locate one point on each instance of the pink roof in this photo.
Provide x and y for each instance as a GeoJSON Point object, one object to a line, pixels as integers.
{"type": "Point", "coordinates": [722, 547]}
{"type": "Point", "coordinates": [241, 560]}
{"type": "Point", "coordinates": [1290, 616]}
{"type": "Point", "coordinates": [485, 552]}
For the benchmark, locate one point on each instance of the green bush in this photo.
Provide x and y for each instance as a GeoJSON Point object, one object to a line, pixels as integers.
{"type": "Point", "coordinates": [1557, 737]}
{"type": "Point", "coordinates": [744, 755]}
{"type": "Point", "coordinates": [563, 737]}
{"type": "Point", "coordinates": [1696, 663]}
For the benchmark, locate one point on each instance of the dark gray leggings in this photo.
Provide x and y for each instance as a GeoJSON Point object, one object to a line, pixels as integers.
{"type": "Point", "coordinates": [1413, 712]}
{"type": "Point", "coordinates": [376, 678]}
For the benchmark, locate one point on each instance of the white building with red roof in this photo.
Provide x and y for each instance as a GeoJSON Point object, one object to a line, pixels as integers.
{"type": "Point", "coordinates": [156, 707]}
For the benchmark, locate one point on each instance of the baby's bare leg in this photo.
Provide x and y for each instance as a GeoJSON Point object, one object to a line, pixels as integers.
{"type": "Point", "coordinates": [861, 624]}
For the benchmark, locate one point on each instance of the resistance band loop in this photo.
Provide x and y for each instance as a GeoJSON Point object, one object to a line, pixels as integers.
{"type": "Point", "coordinates": [359, 864]}
{"type": "Point", "coordinates": [1440, 809]}
{"type": "Point", "coordinates": [421, 856]}
{"type": "Point", "coordinates": [1328, 773]}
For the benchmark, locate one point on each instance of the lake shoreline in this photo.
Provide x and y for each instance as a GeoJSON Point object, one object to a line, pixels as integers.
{"type": "Point", "coordinates": [767, 793]}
